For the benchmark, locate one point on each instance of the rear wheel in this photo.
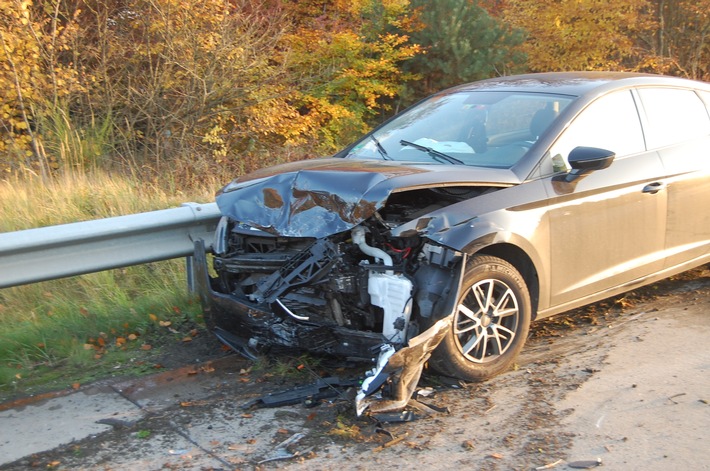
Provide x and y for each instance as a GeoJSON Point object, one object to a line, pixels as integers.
{"type": "Point", "coordinates": [491, 322]}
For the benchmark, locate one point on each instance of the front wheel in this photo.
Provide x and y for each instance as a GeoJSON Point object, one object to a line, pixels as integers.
{"type": "Point", "coordinates": [491, 322]}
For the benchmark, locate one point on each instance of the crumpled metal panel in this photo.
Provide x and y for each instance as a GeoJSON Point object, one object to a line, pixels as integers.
{"type": "Point", "coordinates": [311, 199]}
{"type": "Point", "coordinates": [321, 197]}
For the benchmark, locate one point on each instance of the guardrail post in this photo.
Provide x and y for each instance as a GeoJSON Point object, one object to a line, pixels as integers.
{"type": "Point", "coordinates": [190, 274]}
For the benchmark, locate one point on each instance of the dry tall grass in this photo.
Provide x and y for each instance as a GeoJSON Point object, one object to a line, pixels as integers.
{"type": "Point", "coordinates": [45, 327]}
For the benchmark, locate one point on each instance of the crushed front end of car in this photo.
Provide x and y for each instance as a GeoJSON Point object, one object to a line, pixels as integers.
{"type": "Point", "coordinates": [306, 260]}
{"type": "Point", "coordinates": [330, 256]}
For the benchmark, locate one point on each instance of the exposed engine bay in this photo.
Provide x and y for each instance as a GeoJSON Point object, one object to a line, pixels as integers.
{"type": "Point", "coordinates": [362, 279]}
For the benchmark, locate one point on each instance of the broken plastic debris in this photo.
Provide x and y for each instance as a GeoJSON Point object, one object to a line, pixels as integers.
{"type": "Point", "coordinates": [177, 452]}
{"type": "Point", "coordinates": [401, 370]}
{"type": "Point", "coordinates": [585, 464]}
{"type": "Point", "coordinates": [281, 451]}
{"type": "Point", "coordinates": [310, 394]}
{"type": "Point", "coordinates": [404, 416]}
{"type": "Point", "coordinates": [375, 378]}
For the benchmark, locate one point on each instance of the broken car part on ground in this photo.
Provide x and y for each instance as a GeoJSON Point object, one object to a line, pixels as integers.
{"type": "Point", "coordinates": [485, 206]}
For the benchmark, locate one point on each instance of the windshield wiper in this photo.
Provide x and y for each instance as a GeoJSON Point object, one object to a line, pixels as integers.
{"type": "Point", "coordinates": [380, 148]}
{"type": "Point", "coordinates": [440, 156]}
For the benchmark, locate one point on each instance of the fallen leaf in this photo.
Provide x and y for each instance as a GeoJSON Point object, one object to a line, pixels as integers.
{"type": "Point", "coordinates": [165, 323]}
{"type": "Point", "coordinates": [75, 386]}
{"type": "Point", "coordinates": [247, 416]}
{"type": "Point", "coordinates": [132, 337]}
{"type": "Point", "coordinates": [153, 317]}
{"type": "Point", "coordinates": [187, 339]}
{"type": "Point", "coordinates": [390, 443]}
{"type": "Point", "coordinates": [145, 346]}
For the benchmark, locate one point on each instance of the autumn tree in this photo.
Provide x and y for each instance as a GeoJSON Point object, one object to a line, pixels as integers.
{"type": "Point", "coordinates": [34, 80]}
{"type": "Point", "coordinates": [158, 84]}
{"type": "Point", "coordinates": [680, 38]}
{"type": "Point", "coordinates": [581, 34]}
{"type": "Point", "coordinates": [345, 58]}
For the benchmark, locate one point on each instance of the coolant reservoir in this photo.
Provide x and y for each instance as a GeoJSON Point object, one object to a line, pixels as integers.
{"type": "Point", "coordinates": [393, 293]}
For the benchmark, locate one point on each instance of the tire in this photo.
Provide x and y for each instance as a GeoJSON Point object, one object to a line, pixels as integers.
{"type": "Point", "coordinates": [491, 322]}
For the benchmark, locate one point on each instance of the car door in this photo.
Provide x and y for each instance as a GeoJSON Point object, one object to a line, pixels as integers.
{"type": "Point", "coordinates": [677, 124]}
{"type": "Point", "coordinates": [607, 228]}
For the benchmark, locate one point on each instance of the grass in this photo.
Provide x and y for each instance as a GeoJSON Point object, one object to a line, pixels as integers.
{"type": "Point", "coordinates": [61, 332]}
{"type": "Point", "coordinates": [69, 198]}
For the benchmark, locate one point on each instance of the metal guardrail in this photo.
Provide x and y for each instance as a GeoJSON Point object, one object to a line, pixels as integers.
{"type": "Point", "coordinates": [53, 252]}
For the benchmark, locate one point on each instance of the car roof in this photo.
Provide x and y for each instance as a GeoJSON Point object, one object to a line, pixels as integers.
{"type": "Point", "coordinates": [576, 83]}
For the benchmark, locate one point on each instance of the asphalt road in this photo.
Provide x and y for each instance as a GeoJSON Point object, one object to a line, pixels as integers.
{"type": "Point", "coordinates": [629, 391]}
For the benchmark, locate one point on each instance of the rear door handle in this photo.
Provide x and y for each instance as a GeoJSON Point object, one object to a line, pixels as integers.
{"type": "Point", "coordinates": [654, 187]}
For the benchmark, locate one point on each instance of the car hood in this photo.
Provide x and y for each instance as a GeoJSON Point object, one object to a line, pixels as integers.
{"type": "Point", "coordinates": [320, 197]}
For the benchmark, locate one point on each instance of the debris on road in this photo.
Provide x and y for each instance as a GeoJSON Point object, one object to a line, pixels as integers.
{"type": "Point", "coordinates": [585, 464]}
{"type": "Point", "coordinates": [281, 451]}
{"type": "Point", "coordinates": [390, 386]}
{"type": "Point", "coordinates": [312, 393]}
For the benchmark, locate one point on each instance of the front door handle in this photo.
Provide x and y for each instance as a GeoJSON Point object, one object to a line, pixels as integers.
{"type": "Point", "coordinates": [654, 187]}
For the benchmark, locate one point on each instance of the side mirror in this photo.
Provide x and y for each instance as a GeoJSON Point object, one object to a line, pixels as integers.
{"type": "Point", "coordinates": [588, 159]}
{"type": "Point", "coordinates": [583, 160]}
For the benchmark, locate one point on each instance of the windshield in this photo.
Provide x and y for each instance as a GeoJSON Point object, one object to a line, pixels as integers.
{"type": "Point", "coordinates": [480, 128]}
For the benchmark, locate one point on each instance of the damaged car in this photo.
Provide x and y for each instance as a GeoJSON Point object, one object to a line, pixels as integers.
{"type": "Point", "coordinates": [473, 213]}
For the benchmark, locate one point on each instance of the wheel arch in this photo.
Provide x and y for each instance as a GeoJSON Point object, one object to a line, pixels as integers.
{"type": "Point", "coordinates": [522, 262]}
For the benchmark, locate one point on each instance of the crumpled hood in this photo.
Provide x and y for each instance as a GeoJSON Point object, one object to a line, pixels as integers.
{"type": "Point", "coordinates": [321, 197]}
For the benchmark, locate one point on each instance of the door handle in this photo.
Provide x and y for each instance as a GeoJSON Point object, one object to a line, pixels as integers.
{"type": "Point", "coordinates": [654, 187]}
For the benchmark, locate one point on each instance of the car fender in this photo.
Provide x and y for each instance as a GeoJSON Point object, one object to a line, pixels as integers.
{"type": "Point", "coordinates": [479, 235]}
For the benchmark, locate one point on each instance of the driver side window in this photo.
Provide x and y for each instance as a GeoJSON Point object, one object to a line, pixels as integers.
{"type": "Point", "coordinates": [611, 122]}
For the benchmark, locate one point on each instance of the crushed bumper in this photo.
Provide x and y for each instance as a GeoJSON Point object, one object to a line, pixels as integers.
{"type": "Point", "coordinates": [250, 329]}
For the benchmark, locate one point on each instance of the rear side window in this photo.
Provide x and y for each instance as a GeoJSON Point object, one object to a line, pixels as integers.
{"type": "Point", "coordinates": [673, 116]}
